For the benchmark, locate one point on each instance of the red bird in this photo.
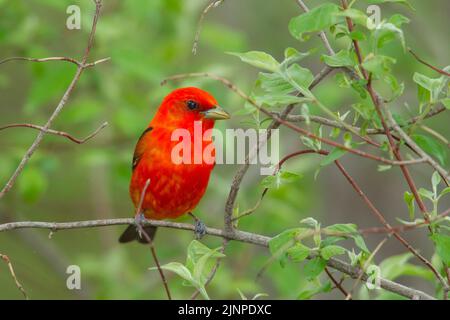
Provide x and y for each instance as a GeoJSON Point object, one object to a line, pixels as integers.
{"type": "Point", "coordinates": [175, 188]}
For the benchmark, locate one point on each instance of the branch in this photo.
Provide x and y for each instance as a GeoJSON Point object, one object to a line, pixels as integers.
{"type": "Point", "coordinates": [6, 259]}
{"type": "Point", "coordinates": [79, 64]}
{"type": "Point", "coordinates": [213, 4]}
{"type": "Point", "coordinates": [279, 119]}
{"type": "Point", "coordinates": [428, 65]}
{"type": "Point", "coordinates": [369, 131]}
{"type": "Point", "coordinates": [236, 235]}
{"type": "Point", "coordinates": [55, 132]}
{"type": "Point", "coordinates": [60, 106]}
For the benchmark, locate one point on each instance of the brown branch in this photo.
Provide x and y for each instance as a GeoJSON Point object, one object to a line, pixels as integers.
{"type": "Point", "coordinates": [373, 209]}
{"type": "Point", "coordinates": [55, 132]}
{"type": "Point", "coordinates": [142, 232]}
{"type": "Point", "coordinates": [428, 65]}
{"type": "Point", "coordinates": [6, 259]}
{"type": "Point", "coordinates": [49, 59]}
{"type": "Point", "coordinates": [213, 4]}
{"type": "Point", "coordinates": [370, 131]}
{"type": "Point", "coordinates": [379, 105]}
{"type": "Point", "coordinates": [236, 235]}
{"type": "Point", "coordinates": [280, 120]}
{"type": "Point", "coordinates": [59, 107]}
{"type": "Point", "coordinates": [336, 283]}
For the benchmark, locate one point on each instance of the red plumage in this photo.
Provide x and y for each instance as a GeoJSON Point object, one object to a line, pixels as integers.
{"type": "Point", "coordinates": [175, 189]}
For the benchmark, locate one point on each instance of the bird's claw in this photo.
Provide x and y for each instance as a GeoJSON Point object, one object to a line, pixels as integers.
{"type": "Point", "coordinates": [199, 229]}
{"type": "Point", "coordinates": [139, 220]}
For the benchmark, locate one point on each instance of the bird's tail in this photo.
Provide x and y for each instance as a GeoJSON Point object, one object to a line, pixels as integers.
{"type": "Point", "coordinates": [131, 233]}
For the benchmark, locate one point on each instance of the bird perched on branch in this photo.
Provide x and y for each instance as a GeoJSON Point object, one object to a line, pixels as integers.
{"type": "Point", "coordinates": [175, 183]}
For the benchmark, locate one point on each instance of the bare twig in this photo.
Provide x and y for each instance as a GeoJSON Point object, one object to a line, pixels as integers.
{"type": "Point", "coordinates": [6, 259]}
{"type": "Point", "coordinates": [66, 59]}
{"type": "Point", "coordinates": [236, 235]}
{"type": "Point", "coordinates": [336, 283]}
{"type": "Point", "coordinates": [213, 4]}
{"type": "Point", "coordinates": [150, 241]}
{"type": "Point", "coordinates": [428, 65]}
{"type": "Point", "coordinates": [55, 132]}
{"type": "Point", "coordinates": [59, 107]}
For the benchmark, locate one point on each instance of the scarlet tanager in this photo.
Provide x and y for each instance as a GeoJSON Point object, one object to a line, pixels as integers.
{"type": "Point", "coordinates": [175, 188]}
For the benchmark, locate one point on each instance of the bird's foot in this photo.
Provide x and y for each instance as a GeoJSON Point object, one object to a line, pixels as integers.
{"type": "Point", "coordinates": [139, 220]}
{"type": "Point", "coordinates": [199, 227]}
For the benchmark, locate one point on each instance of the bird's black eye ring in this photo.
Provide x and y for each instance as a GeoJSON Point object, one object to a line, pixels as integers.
{"type": "Point", "coordinates": [192, 105]}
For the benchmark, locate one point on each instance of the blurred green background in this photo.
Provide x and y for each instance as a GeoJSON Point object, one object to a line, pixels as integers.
{"type": "Point", "coordinates": [148, 41]}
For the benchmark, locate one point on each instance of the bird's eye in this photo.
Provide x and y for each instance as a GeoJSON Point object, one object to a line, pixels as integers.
{"type": "Point", "coordinates": [192, 105]}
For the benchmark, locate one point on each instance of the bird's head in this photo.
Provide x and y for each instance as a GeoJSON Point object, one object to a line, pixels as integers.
{"type": "Point", "coordinates": [183, 106]}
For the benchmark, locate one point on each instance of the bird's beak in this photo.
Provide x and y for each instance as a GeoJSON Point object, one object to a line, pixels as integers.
{"type": "Point", "coordinates": [216, 113]}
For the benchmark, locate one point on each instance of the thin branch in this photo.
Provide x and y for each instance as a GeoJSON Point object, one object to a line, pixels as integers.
{"type": "Point", "coordinates": [60, 106]}
{"type": "Point", "coordinates": [280, 120]}
{"type": "Point", "coordinates": [6, 259]}
{"type": "Point", "coordinates": [49, 59]}
{"type": "Point", "coordinates": [55, 132]}
{"type": "Point", "coordinates": [369, 131]}
{"type": "Point", "coordinates": [337, 284]}
{"type": "Point", "coordinates": [213, 4]}
{"type": "Point", "coordinates": [379, 106]}
{"type": "Point", "coordinates": [366, 264]}
{"type": "Point", "coordinates": [373, 209]}
{"type": "Point", "coordinates": [149, 239]}
{"type": "Point", "coordinates": [236, 235]}
{"type": "Point", "coordinates": [428, 65]}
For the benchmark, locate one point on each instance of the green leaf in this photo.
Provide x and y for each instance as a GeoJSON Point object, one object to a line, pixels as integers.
{"type": "Point", "coordinates": [314, 267]}
{"type": "Point", "coordinates": [444, 192]}
{"type": "Point", "coordinates": [275, 100]}
{"type": "Point", "coordinates": [335, 154]}
{"type": "Point", "coordinates": [292, 54]}
{"type": "Point", "coordinates": [357, 35]}
{"type": "Point", "coordinates": [379, 64]}
{"type": "Point", "coordinates": [409, 200]}
{"type": "Point", "coordinates": [298, 252]}
{"type": "Point", "coordinates": [398, 20]}
{"type": "Point", "coordinates": [386, 32]}
{"type": "Point", "coordinates": [309, 293]}
{"type": "Point", "coordinates": [331, 251]}
{"type": "Point", "coordinates": [200, 260]}
{"type": "Point", "coordinates": [426, 193]}
{"type": "Point", "coordinates": [433, 85]}
{"type": "Point", "coordinates": [430, 146]}
{"type": "Point", "coordinates": [349, 230]}
{"type": "Point", "coordinates": [442, 243]}
{"type": "Point", "coordinates": [275, 83]}
{"type": "Point", "coordinates": [300, 78]}
{"type": "Point", "coordinates": [356, 15]}
{"type": "Point", "coordinates": [340, 59]}
{"type": "Point", "coordinates": [315, 20]}
{"type": "Point", "coordinates": [279, 244]}
{"type": "Point", "coordinates": [282, 177]}
{"type": "Point", "coordinates": [446, 102]}
{"type": "Point", "coordinates": [258, 59]}
{"type": "Point", "coordinates": [180, 270]}
{"type": "Point", "coordinates": [435, 180]}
